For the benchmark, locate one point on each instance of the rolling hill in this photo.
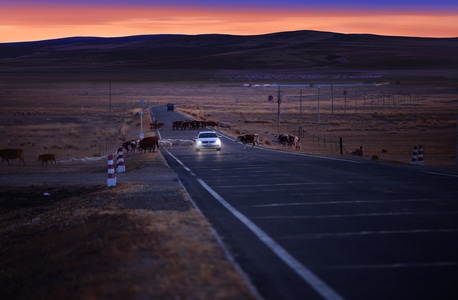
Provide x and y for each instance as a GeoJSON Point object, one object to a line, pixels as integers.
{"type": "Point", "coordinates": [293, 51]}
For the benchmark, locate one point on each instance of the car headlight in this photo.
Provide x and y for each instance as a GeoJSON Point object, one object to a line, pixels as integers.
{"type": "Point", "coordinates": [218, 142]}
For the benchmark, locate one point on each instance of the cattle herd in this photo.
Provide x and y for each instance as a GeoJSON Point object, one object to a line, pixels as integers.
{"type": "Point", "coordinates": [192, 125]}
{"type": "Point", "coordinates": [152, 143]}
{"type": "Point", "coordinates": [18, 153]}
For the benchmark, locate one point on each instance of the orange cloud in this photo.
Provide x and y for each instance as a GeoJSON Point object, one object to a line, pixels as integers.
{"type": "Point", "coordinates": [20, 23]}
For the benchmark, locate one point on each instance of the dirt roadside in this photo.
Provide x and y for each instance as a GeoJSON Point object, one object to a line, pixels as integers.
{"type": "Point", "coordinates": [66, 235]}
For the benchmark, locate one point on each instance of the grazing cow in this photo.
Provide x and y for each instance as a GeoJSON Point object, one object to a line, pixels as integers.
{"type": "Point", "coordinates": [287, 140]}
{"type": "Point", "coordinates": [44, 158]}
{"type": "Point", "coordinates": [130, 145]}
{"type": "Point", "coordinates": [7, 154]}
{"type": "Point", "coordinates": [248, 139]}
{"type": "Point", "coordinates": [149, 143]}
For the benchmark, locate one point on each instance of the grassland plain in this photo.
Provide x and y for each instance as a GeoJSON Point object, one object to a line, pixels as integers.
{"type": "Point", "coordinates": [85, 240]}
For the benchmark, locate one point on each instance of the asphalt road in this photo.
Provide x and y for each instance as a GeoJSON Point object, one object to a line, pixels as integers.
{"type": "Point", "coordinates": [308, 227]}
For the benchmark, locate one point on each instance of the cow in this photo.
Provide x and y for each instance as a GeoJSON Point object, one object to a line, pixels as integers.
{"type": "Point", "coordinates": [166, 144]}
{"type": "Point", "coordinates": [7, 154]}
{"type": "Point", "coordinates": [287, 140]}
{"type": "Point", "coordinates": [211, 124]}
{"type": "Point", "coordinates": [176, 125]}
{"type": "Point", "coordinates": [185, 125]}
{"type": "Point", "coordinates": [156, 125]}
{"type": "Point", "coordinates": [248, 139]}
{"type": "Point", "coordinates": [44, 158]}
{"type": "Point", "coordinates": [149, 143]}
{"type": "Point", "coordinates": [130, 145]}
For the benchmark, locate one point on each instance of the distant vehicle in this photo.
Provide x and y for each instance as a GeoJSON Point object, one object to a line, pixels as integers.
{"type": "Point", "coordinates": [208, 140]}
{"type": "Point", "coordinates": [170, 106]}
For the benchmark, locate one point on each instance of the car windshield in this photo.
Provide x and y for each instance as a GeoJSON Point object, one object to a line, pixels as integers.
{"type": "Point", "coordinates": [207, 135]}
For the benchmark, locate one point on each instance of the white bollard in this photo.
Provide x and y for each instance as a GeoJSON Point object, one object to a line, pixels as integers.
{"type": "Point", "coordinates": [111, 181]}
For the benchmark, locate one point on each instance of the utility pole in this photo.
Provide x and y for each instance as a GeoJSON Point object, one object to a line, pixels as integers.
{"type": "Point", "coordinates": [300, 107]}
{"type": "Point", "coordinates": [278, 111]}
{"type": "Point", "coordinates": [109, 106]}
{"type": "Point", "coordinates": [141, 124]}
{"type": "Point", "coordinates": [345, 100]}
{"type": "Point", "coordinates": [318, 104]}
{"type": "Point", "coordinates": [332, 100]}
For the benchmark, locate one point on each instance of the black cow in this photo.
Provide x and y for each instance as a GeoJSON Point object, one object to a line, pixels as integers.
{"type": "Point", "coordinates": [7, 154]}
{"type": "Point", "coordinates": [44, 158]}
{"type": "Point", "coordinates": [248, 139]}
{"type": "Point", "coordinates": [287, 140]}
{"type": "Point", "coordinates": [149, 143]}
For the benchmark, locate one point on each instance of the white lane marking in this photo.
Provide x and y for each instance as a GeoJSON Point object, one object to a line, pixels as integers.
{"type": "Point", "coordinates": [335, 202]}
{"type": "Point", "coordinates": [441, 174]}
{"type": "Point", "coordinates": [366, 233]}
{"type": "Point", "coordinates": [395, 266]}
{"type": "Point", "coordinates": [361, 215]}
{"type": "Point", "coordinates": [311, 155]}
{"type": "Point", "coordinates": [181, 163]}
{"type": "Point", "coordinates": [251, 186]}
{"type": "Point", "coordinates": [316, 283]}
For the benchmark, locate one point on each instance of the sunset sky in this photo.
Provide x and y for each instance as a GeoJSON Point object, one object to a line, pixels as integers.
{"type": "Point", "coordinates": [29, 20]}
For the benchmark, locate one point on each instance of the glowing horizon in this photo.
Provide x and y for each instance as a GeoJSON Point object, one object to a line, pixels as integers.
{"type": "Point", "coordinates": [42, 20]}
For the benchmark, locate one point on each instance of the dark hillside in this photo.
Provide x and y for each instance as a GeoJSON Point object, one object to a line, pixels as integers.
{"type": "Point", "coordinates": [297, 50]}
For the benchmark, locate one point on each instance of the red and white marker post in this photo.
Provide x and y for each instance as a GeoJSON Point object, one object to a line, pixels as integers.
{"type": "Point", "coordinates": [121, 167]}
{"type": "Point", "coordinates": [111, 180]}
{"type": "Point", "coordinates": [414, 156]}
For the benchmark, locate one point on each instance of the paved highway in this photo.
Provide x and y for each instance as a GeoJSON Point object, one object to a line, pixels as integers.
{"type": "Point", "coordinates": [309, 227]}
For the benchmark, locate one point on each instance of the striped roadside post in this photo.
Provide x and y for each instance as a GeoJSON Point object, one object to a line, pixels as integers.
{"type": "Point", "coordinates": [121, 167]}
{"type": "Point", "coordinates": [111, 180]}
{"type": "Point", "coordinates": [414, 156]}
{"type": "Point", "coordinates": [420, 155]}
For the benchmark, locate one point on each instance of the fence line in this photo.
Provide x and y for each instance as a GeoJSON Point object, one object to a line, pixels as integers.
{"type": "Point", "coordinates": [333, 145]}
{"type": "Point", "coordinates": [108, 147]}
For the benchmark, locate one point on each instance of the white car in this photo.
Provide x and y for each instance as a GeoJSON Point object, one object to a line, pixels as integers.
{"type": "Point", "coordinates": [208, 140]}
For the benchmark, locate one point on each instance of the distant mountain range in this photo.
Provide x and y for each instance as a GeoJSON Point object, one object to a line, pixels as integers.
{"type": "Point", "coordinates": [298, 50]}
